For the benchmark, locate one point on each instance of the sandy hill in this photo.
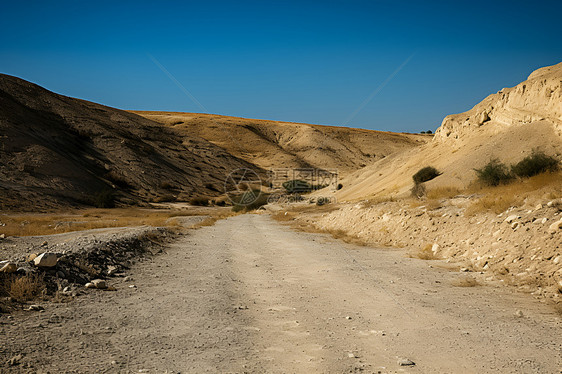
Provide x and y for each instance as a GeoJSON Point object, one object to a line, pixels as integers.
{"type": "Point", "coordinates": [506, 125]}
{"type": "Point", "coordinates": [56, 150]}
{"type": "Point", "coordinates": [273, 144]}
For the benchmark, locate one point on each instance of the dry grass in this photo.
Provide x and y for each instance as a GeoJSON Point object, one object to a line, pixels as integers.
{"type": "Point", "coordinates": [47, 224]}
{"type": "Point", "coordinates": [443, 193]}
{"type": "Point", "coordinates": [24, 288]}
{"type": "Point", "coordinates": [499, 199]}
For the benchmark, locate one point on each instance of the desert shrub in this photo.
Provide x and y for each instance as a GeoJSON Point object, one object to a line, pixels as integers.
{"type": "Point", "coordinates": [249, 200]}
{"type": "Point", "coordinates": [536, 163]}
{"type": "Point", "coordinates": [425, 174]}
{"type": "Point", "coordinates": [167, 186]}
{"type": "Point", "coordinates": [166, 198]}
{"type": "Point", "coordinates": [494, 173]}
{"type": "Point", "coordinates": [211, 187]}
{"type": "Point", "coordinates": [418, 191]}
{"type": "Point", "coordinates": [199, 201]}
{"type": "Point", "coordinates": [297, 186]}
{"type": "Point", "coordinates": [104, 199]}
{"type": "Point", "coordinates": [25, 288]}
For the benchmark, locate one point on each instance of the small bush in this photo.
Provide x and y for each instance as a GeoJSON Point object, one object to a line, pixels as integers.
{"type": "Point", "coordinates": [26, 288]}
{"type": "Point", "coordinates": [199, 201]}
{"type": "Point", "coordinates": [494, 173]}
{"type": "Point", "coordinates": [418, 191]}
{"type": "Point", "coordinates": [164, 198]}
{"type": "Point", "coordinates": [534, 164]}
{"type": "Point", "coordinates": [249, 200]}
{"type": "Point", "coordinates": [425, 174]}
{"type": "Point", "coordinates": [104, 199]}
{"type": "Point", "coordinates": [167, 186]}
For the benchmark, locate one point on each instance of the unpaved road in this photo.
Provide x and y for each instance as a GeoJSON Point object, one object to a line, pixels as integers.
{"type": "Point", "coordinates": [251, 295]}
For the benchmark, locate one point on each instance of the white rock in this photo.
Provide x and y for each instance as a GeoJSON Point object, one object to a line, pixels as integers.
{"type": "Point", "coordinates": [550, 203]}
{"type": "Point", "coordinates": [539, 206]}
{"type": "Point", "coordinates": [556, 260]}
{"type": "Point", "coordinates": [511, 218]}
{"type": "Point", "coordinates": [406, 362]}
{"type": "Point", "coordinates": [2, 236]}
{"type": "Point", "coordinates": [99, 284]}
{"type": "Point", "coordinates": [555, 227]}
{"type": "Point", "coordinates": [514, 225]}
{"type": "Point", "coordinates": [519, 313]}
{"type": "Point", "coordinates": [90, 285]}
{"type": "Point", "coordinates": [46, 260]}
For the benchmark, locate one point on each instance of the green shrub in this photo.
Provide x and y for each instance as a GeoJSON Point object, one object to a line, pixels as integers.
{"type": "Point", "coordinates": [104, 199]}
{"type": "Point", "coordinates": [494, 173]}
{"type": "Point", "coordinates": [249, 200]}
{"type": "Point", "coordinates": [425, 174]}
{"type": "Point", "coordinates": [535, 164]}
{"type": "Point", "coordinates": [199, 201]}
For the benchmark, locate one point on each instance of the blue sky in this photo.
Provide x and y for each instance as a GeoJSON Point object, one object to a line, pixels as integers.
{"type": "Point", "coordinates": [302, 61]}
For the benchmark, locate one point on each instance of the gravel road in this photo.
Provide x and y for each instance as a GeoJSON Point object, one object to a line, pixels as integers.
{"type": "Point", "coordinates": [250, 295]}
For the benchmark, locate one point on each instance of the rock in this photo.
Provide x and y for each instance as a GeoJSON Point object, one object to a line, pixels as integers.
{"type": "Point", "coordinates": [555, 227]}
{"type": "Point", "coordinates": [31, 257]}
{"type": "Point", "coordinates": [538, 207]}
{"type": "Point", "coordinates": [543, 221]}
{"type": "Point", "coordinates": [464, 270]}
{"type": "Point", "coordinates": [36, 308]}
{"type": "Point", "coordinates": [128, 278]}
{"type": "Point", "coordinates": [514, 225]}
{"type": "Point", "coordinates": [560, 286]}
{"type": "Point", "coordinates": [99, 284]}
{"type": "Point", "coordinates": [351, 355]}
{"type": "Point", "coordinates": [90, 285]}
{"type": "Point", "coordinates": [348, 317]}
{"type": "Point", "coordinates": [484, 117]}
{"type": "Point", "coordinates": [46, 260]}
{"type": "Point", "coordinates": [550, 203]}
{"type": "Point", "coordinates": [406, 362]}
{"type": "Point", "coordinates": [518, 313]}
{"type": "Point", "coordinates": [8, 267]}
{"type": "Point", "coordinates": [44, 244]}
{"type": "Point", "coordinates": [556, 260]}
{"type": "Point", "coordinates": [60, 274]}
{"type": "Point", "coordinates": [512, 218]}
{"type": "Point", "coordinates": [16, 360]}
{"type": "Point", "coordinates": [111, 270]}
{"type": "Point", "coordinates": [2, 236]}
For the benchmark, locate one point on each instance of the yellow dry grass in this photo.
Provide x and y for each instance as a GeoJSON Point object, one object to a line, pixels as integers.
{"type": "Point", "coordinates": [24, 288]}
{"type": "Point", "coordinates": [47, 224]}
{"type": "Point", "coordinates": [499, 199]}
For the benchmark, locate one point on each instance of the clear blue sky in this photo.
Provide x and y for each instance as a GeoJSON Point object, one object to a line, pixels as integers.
{"type": "Point", "coordinates": [302, 61]}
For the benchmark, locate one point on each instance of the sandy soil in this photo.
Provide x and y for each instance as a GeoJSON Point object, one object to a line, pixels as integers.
{"type": "Point", "coordinates": [251, 295]}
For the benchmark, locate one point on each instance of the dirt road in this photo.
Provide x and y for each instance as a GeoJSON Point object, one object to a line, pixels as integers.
{"type": "Point", "coordinates": [251, 295]}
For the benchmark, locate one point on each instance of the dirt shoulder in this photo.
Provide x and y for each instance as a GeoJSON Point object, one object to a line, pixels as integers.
{"type": "Point", "coordinates": [520, 246]}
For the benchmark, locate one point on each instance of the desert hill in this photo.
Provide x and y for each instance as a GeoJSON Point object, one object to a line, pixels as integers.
{"type": "Point", "coordinates": [507, 125]}
{"type": "Point", "coordinates": [57, 150]}
{"type": "Point", "coordinates": [273, 144]}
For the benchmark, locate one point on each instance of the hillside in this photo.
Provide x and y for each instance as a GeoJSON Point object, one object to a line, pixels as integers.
{"type": "Point", "coordinates": [59, 151]}
{"type": "Point", "coordinates": [273, 144]}
{"type": "Point", "coordinates": [507, 125]}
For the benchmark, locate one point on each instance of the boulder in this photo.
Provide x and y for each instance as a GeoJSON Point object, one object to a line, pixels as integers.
{"type": "Point", "coordinates": [512, 218]}
{"type": "Point", "coordinates": [45, 260]}
{"type": "Point", "coordinates": [99, 284]}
